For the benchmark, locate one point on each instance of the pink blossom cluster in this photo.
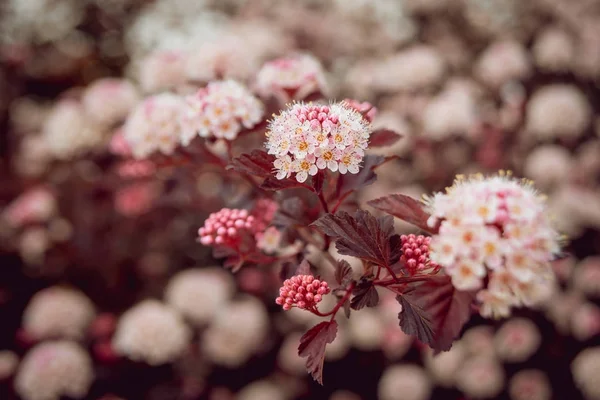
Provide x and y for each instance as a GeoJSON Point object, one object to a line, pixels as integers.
{"type": "Point", "coordinates": [154, 125]}
{"type": "Point", "coordinates": [221, 110]}
{"type": "Point", "coordinates": [291, 78]}
{"type": "Point", "coordinates": [306, 138]}
{"type": "Point", "coordinates": [227, 227]}
{"type": "Point", "coordinates": [415, 253]}
{"type": "Point", "coordinates": [495, 227]}
{"type": "Point", "coordinates": [302, 291]}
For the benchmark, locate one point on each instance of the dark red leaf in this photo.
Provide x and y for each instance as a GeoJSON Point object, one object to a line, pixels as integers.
{"type": "Point", "coordinates": [383, 137]}
{"type": "Point", "coordinates": [273, 184]}
{"type": "Point", "coordinates": [434, 311]}
{"type": "Point", "coordinates": [363, 236]}
{"type": "Point", "coordinates": [365, 295]}
{"type": "Point", "coordinates": [312, 346]}
{"type": "Point", "coordinates": [404, 207]}
{"type": "Point", "coordinates": [258, 163]}
{"type": "Point", "coordinates": [366, 175]}
{"type": "Point", "coordinates": [343, 273]}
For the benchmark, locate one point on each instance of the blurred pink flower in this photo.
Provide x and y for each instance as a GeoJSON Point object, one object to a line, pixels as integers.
{"type": "Point", "coordinates": [135, 199]}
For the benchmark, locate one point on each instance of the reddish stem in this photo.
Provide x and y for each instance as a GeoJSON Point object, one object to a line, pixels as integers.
{"type": "Point", "coordinates": [340, 202]}
{"type": "Point", "coordinates": [339, 305]}
{"type": "Point", "coordinates": [323, 202]}
{"type": "Point", "coordinates": [403, 279]}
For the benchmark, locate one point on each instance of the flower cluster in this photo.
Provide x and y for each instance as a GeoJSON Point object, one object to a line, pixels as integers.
{"type": "Point", "coordinates": [302, 291]}
{"type": "Point", "coordinates": [220, 110]}
{"type": "Point", "coordinates": [227, 227]}
{"type": "Point", "coordinates": [497, 227]}
{"type": "Point", "coordinates": [58, 312]}
{"type": "Point", "coordinates": [308, 137]}
{"type": "Point", "coordinates": [154, 125]}
{"type": "Point", "coordinates": [239, 229]}
{"type": "Point", "coordinates": [415, 253]}
{"type": "Point", "coordinates": [291, 78]}
{"type": "Point", "coordinates": [152, 332]}
{"type": "Point", "coordinates": [55, 369]}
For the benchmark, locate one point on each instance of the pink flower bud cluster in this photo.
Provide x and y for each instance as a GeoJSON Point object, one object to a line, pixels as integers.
{"type": "Point", "coordinates": [154, 125]}
{"type": "Point", "coordinates": [291, 78]}
{"type": "Point", "coordinates": [415, 253]}
{"type": "Point", "coordinates": [308, 137]}
{"type": "Point", "coordinates": [227, 227]}
{"type": "Point", "coordinates": [220, 110]}
{"type": "Point", "coordinates": [302, 291]}
{"type": "Point", "coordinates": [368, 110]}
{"type": "Point", "coordinates": [496, 227]}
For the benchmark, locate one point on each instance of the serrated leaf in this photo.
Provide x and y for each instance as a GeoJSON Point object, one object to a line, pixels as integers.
{"type": "Point", "coordinates": [365, 177]}
{"type": "Point", "coordinates": [313, 344]}
{"type": "Point", "coordinates": [363, 236]}
{"type": "Point", "coordinates": [365, 295]}
{"type": "Point", "coordinates": [343, 273]}
{"type": "Point", "coordinates": [258, 163]}
{"type": "Point", "coordinates": [273, 184]}
{"type": "Point", "coordinates": [404, 207]}
{"type": "Point", "coordinates": [434, 311]}
{"type": "Point", "coordinates": [384, 137]}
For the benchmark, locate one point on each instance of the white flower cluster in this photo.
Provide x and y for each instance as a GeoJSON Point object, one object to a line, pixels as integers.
{"type": "Point", "coordinates": [236, 332]}
{"type": "Point", "coordinates": [585, 368]}
{"type": "Point", "coordinates": [220, 110]}
{"type": "Point", "coordinates": [291, 78]}
{"type": "Point", "coordinates": [108, 101]}
{"type": "Point", "coordinates": [199, 293]}
{"type": "Point", "coordinates": [154, 125]}
{"type": "Point", "coordinates": [308, 137]}
{"type": "Point", "coordinates": [58, 312]}
{"type": "Point", "coordinates": [496, 227]}
{"type": "Point", "coordinates": [151, 332]}
{"type": "Point", "coordinates": [52, 370]}
{"type": "Point", "coordinates": [69, 131]}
